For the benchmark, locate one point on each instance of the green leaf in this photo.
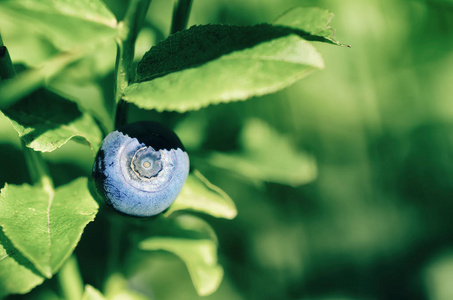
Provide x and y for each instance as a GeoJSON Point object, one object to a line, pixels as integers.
{"type": "Point", "coordinates": [267, 156]}
{"type": "Point", "coordinates": [92, 294]}
{"type": "Point", "coordinates": [212, 64]}
{"type": "Point", "coordinates": [45, 225]}
{"type": "Point", "coordinates": [262, 69]}
{"type": "Point", "coordinates": [198, 194]}
{"type": "Point", "coordinates": [313, 20]}
{"type": "Point", "coordinates": [46, 121]}
{"type": "Point", "coordinates": [67, 23]}
{"type": "Point", "coordinates": [198, 45]}
{"type": "Point", "coordinates": [197, 248]}
{"type": "Point", "coordinates": [17, 274]}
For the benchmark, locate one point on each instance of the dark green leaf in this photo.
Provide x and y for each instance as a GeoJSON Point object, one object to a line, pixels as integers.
{"type": "Point", "coordinates": [196, 246]}
{"type": "Point", "coordinates": [17, 274]}
{"type": "Point", "coordinates": [198, 194]}
{"type": "Point", "coordinates": [46, 121]}
{"type": "Point", "coordinates": [44, 224]}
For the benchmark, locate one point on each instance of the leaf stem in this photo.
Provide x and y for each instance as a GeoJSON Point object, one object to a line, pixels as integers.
{"type": "Point", "coordinates": [181, 12]}
{"type": "Point", "coordinates": [128, 32]}
{"type": "Point", "coordinates": [37, 167]}
{"type": "Point", "coordinates": [70, 281]}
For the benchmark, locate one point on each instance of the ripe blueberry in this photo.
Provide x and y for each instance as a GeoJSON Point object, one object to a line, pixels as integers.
{"type": "Point", "coordinates": [141, 168]}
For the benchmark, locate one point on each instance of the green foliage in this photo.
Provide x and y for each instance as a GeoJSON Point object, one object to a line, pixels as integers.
{"type": "Point", "coordinates": [65, 90]}
{"type": "Point", "coordinates": [265, 68]}
{"type": "Point", "coordinates": [212, 64]}
{"type": "Point", "coordinates": [46, 227]}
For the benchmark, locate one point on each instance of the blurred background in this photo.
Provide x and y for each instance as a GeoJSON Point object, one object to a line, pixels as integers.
{"type": "Point", "coordinates": [373, 219]}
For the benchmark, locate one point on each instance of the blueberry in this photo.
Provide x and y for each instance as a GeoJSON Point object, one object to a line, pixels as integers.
{"type": "Point", "coordinates": [141, 168]}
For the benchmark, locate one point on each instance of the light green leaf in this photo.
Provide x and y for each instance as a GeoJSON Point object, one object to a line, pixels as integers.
{"type": "Point", "coordinates": [313, 20]}
{"type": "Point", "coordinates": [198, 250]}
{"type": "Point", "coordinates": [198, 194]}
{"type": "Point", "coordinates": [17, 274]}
{"type": "Point", "coordinates": [92, 294]}
{"type": "Point", "coordinates": [267, 156]}
{"type": "Point", "coordinates": [262, 69]}
{"type": "Point", "coordinates": [46, 226]}
{"type": "Point", "coordinates": [46, 121]}
{"type": "Point", "coordinates": [67, 23]}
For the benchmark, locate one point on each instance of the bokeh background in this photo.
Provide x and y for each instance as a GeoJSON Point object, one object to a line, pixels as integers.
{"type": "Point", "coordinates": [375, 221]}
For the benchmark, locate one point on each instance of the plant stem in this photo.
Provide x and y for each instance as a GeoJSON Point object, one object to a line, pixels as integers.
{"type": "Point", "coordinates": [37, 167]}
{"type": "Point", "coordinates": [181, 12]}
{"type": "Point", "coordinates": [70, 281]}
{"type": "Point", "coordinates": [122, 108]}
{"type": "Point", "coordinates": [128, 32]}
{"type": "Point", "coordinates": [115, 239]}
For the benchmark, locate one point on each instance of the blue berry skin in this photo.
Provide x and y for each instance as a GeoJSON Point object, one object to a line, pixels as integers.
{"type": "Point", "coordinates": [141, 168]}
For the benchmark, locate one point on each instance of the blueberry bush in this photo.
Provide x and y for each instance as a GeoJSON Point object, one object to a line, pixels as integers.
{"type": "Point", "coordinates": [73, 71]}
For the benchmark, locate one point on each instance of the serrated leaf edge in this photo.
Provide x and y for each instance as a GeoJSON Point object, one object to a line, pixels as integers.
{"type": "Point", "coordinates": [238, 97]}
